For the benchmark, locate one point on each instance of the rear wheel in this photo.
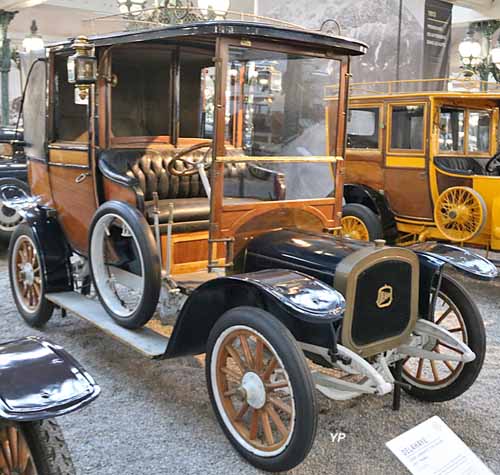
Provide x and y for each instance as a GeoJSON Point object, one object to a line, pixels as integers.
{"type": "Point", "coordinates": [261, 389]}
{"type": "Point", "coordinates": [27, 277]}
{"type": "Point", "coordinates": [361, 223]}
{"type": "Point", "coordinates": [34, 448]}
{"type": "Point", "coordinates": [444, 380]}
{"type": "Point", "coordinates": [124, 264]}
{"type": "Point", "coordinates": [10, 188]}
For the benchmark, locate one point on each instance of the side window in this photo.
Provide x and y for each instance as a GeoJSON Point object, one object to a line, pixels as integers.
{"type": "Point", "coordinates": [479, 131]}
{"type": "Point", "coordinates": [197, 92]}
{"type": "Point", "coordinates": [407, 127]}
{"type": "Point", "coordinates": [363, 128]}
{"type": "Point", "coordinates": [451, 129]}
{"type": "Point", "coordinates": [140, 100]}
{"type": "Point", "coordinates": [70, 119]}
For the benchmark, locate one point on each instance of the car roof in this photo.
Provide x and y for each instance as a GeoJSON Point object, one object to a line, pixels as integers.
{"type": "Point", "coordinates": [261, 31]}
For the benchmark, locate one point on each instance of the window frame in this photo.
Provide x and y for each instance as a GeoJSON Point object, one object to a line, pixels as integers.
{"type": "Point", "coordinates": [380, 108]}
{"type": "Point", "coordinates": [406, 151]}
{"type": "Point", "coordinates": [466, 152]}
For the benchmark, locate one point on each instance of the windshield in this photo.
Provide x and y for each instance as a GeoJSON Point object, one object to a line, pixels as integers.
{"type": "Point", "coordinates": [275, 108]}
{"type": "Point", "coordinates": [464, 131]}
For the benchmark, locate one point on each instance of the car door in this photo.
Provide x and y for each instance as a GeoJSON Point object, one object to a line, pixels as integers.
{"type": "Point", "coordinates": [70, 170]}
{"type": "Point", "coordinates": [406, 175]}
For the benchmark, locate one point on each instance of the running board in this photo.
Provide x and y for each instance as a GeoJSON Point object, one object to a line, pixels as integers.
{"type": "Point", "coordinates": [144, 340]}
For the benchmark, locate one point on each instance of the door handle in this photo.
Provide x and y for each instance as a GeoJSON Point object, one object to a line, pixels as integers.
{"type": "Point", "coordinates": [81, 177]}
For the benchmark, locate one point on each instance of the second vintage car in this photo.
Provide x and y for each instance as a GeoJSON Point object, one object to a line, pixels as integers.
{"type": "Point", "coordinates": [187, 174]}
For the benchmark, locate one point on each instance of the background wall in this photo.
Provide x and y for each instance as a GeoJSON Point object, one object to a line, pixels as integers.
{"type": "Point", "coordinates": [375, 23]}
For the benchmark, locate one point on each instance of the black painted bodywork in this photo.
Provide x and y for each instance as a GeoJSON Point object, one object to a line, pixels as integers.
{"type": "Point", "coordinates": [15, 166]}
{"type": "Point", "coordinates": [56, 252]}
{"type": "Point", "coordinates": [306, 306]}
{"type": "Point", "coordinates": [40, 380]}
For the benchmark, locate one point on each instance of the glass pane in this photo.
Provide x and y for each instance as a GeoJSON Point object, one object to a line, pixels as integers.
{"type": "Point", "coordinates": [451, 130]}
{"type": "Point", "coordinates": [269, 181]}
{"type": "Point", "coordinates": [407, 127]}
{"type": "Point", "coordinates": [362, 128]}
{"type": "Point", "coordinates": [141, 98]}
{"type": "Point", "coordinates": [197, 90]}
{"type": "Point", "coordinates": [479, 131]}
{"type": "Point", "coordinates": [275, 106]}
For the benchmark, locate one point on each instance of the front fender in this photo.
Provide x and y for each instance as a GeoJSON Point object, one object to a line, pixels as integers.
{"type": "Point", "coordinates": [39, 380]}
{"type": "Point", "coordinates": [462, 259]}
{"type": "Point", "coordinates": [307, 306]}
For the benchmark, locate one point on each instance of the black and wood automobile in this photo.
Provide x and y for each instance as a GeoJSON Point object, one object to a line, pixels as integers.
{"type": "Point", "coordinates": [189, 175]}
{"type": "Point", "coordinates": [38, 382]}
{"type": "Point", "coordinates": [13, 178]}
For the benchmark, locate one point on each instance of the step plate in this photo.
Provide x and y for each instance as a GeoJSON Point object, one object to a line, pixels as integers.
{"type": "Point", "coordinates": [144, 340]}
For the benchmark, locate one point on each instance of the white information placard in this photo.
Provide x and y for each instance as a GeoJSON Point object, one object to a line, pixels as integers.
{"type": "Point", "coordinates": [432, 448]}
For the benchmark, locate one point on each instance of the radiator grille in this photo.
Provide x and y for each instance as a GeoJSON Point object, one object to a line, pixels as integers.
{"type": "Point", "coordinates": [390, 284]}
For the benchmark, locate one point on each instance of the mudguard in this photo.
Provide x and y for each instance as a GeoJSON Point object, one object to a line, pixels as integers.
{"type": "Point", "coordinates": [56, 252]}
{"type": "Point", "coordinates": [462, 259]}
{"type": "Point", "coordinates": [307, 306]}
{"type": "Point", "coordinates": [39, 380]}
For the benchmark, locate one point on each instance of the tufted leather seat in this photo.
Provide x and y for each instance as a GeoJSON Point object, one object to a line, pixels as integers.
{"type": "Point", "coordinates": [459, 165]}
{"type": "Point", "coordinates": [147, 172]}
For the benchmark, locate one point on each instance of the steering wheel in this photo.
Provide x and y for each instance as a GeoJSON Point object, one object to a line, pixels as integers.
{"type": "Point", "coordinates": [189, 167]}
{"type": "Point", "coordinates": [493, 160]}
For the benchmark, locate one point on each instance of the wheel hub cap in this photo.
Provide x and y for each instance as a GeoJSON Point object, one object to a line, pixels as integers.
{"type": "Point", "coordinates": [28, 273]}
{"type": "Point", "coordinates": [254, 389]}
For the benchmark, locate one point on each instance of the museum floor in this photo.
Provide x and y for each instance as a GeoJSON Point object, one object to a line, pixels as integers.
{"type": "Point", "coordinates": [155, 418]}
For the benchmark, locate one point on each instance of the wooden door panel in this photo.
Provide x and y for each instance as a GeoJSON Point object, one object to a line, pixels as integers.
{"type": "Point", "coordinates": [73, 199]}
{"type": "Point", "coordinates": [407, 192]}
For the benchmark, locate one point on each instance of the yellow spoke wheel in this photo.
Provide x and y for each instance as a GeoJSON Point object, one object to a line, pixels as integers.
{"type": "Point", "coordinates": [354, 228]}
{"type": "Point", "coordinates": [460, 213]}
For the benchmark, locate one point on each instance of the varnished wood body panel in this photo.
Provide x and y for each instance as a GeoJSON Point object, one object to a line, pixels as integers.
{"type": "Point", "coordinates": [115, 191]}
{"type": "Point", "coordinates": [75, 202]}
{"type": "Point", "coordinates": [38, 179]}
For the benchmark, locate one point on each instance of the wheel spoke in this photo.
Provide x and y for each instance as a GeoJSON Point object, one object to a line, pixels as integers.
{"type": "Point", "coordinates": [277, 420]}
{"type": "Point", "coordinates": [420, 367]}
{"type": "Point", "coordinates": [450, 347]}
{"type": "Point", "coordinates": [236, 357]}
{"type": "Point", "coordinates": [259, 355]}
{"type": "Point", "coordinates": [246, 351]}
{"type": "Point", "coordinates": [242, 411]}
{"type": "Point", "coordinates": [444, 315]}
{"type": "Point", "coordinates": [281, 405]}
{"type": "Point", "coordinates": [231, 374]}
{"type": "Point", "coordinates": [271, 366]}
{"type": "Point", "coordinates": [278, 385]}
{"type": "Point", "coordinates": [434, 370]}
{"type": "Point", "coordinates": [254, 424]}
{"type": "Point", "coordinates": [266, 425]}
{"type": "Point", "coordinates": [13, 443]}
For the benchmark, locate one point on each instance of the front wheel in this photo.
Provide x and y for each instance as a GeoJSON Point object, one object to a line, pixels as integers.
{"type": "Point", "coordinates": [438, 381]}
{"type": "Point", "coordinates": [261, 389]}
{"type": "Point", "coordinates": [34, 448]}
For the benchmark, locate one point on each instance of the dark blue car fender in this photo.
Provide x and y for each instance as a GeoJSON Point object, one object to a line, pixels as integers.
{"type": "Point", "coordinates": [40, 380]}
{"type": "Point", "coordinates": [307, 306]}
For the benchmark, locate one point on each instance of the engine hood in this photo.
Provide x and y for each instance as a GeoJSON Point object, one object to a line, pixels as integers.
{"type": "Point", "coordinates": [315, 254]}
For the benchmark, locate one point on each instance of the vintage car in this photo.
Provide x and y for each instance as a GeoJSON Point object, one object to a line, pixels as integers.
{"type": "Point", "coordinates": [422, 163]}
{"type": "Point", "coordinates": [38, 382]}
{"type": "Point", "coordinates": [13, 177]}
{"type": "Point", "coordinates": [187, 175]}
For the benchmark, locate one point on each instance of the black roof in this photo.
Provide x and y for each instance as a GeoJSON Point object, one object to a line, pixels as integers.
{"type": "Point", "coordinates": [311, 38]}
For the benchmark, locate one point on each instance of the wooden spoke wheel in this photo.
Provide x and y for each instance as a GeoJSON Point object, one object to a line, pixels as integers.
{"type": "Point", "coordinates": [440, 380]}
{"type": "Point", "coordinates": [460, 213]}
{"type": "Point", "coordinates": [256, 392]}
{"type": "Point", "coordinates": [15, 455]}
{"type": "Point", "coordinates": [28, 273]}
{"type": "Point", "coordinates": [354, 228]}
{"type": "Point", "coordinates": [261, 388]}
{"type": "Point", "coordinates": [361, 223]}
{"type": "Point", "coordinates": [27, 277]}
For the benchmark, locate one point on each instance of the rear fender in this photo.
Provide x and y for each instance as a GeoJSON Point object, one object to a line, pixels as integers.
{"type": "Point", "coordinates": [307, 306]}
{"type": "Point", "coordinates": [462, 259]}
{"type": "Point", "coordinates": [56, 252]}
{"type": "Point", "coordinates": [39, 380]}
